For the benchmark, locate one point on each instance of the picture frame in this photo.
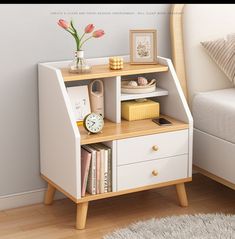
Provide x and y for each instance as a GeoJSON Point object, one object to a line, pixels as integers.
{"type": "Point", "coordinates": [143, 46]}
{"type": "Point", "coordinates": [80, 101]}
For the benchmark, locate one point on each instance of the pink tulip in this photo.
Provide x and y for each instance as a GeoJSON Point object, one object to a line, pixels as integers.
{"type": "Point", "coordinates": [98, 33]}
{"type": "Point", "coordinates": [62, 23]}
{"type": "Point", "coordinates": [89, 28]}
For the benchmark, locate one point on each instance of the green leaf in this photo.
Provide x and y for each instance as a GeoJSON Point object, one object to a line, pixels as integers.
{"type": "Point", "coordinates": [71, 23]}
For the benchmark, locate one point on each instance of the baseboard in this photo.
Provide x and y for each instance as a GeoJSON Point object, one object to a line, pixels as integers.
{"type": "Point", "coordinates": [25, 198]}
{"type": "Point", "coordinates": [194, 171]}
{"type": "Point", "coordinates": [215, 177]}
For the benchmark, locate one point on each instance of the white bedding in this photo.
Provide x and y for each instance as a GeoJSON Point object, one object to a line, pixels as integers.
{"type": "Point", "coordinates": [214, 113]}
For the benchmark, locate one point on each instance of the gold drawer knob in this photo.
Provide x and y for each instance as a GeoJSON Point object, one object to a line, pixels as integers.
{"type": "Point", "coordinates": [155, 172]}
{"type": "Point", "coordinates": [155, 148]}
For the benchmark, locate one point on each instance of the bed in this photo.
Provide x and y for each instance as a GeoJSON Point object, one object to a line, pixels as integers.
{"type": "Point", "coordinates": [210, 95]}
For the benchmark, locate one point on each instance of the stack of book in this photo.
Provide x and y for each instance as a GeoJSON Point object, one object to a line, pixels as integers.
{"type": "Point", "coordinates": [96, 169]}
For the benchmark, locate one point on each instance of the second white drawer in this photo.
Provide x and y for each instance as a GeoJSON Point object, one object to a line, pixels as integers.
{"type": "Point", "coordinates": [139, 149]}
{"type": "Point", "coordinates": [152, 172]}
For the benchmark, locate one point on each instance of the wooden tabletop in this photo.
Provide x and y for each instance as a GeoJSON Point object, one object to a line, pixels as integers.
{"type": "Point", "coordinates": [127, 129]}
{"type": "Point", "coordinates": [103, 71]}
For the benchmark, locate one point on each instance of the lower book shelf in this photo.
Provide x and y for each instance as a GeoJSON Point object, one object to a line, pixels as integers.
{"type": "Point", "coordinates": [96, 169]}
{"type": "Point", "coordinates": [88, 197]}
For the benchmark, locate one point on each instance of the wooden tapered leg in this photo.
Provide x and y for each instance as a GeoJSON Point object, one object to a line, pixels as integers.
{"type": "Point", "coordinates": [81, 215]}
{"type": "Point", "coordinates": [50, 193]}
{"type": "Point", "coordinates": [181, 193]}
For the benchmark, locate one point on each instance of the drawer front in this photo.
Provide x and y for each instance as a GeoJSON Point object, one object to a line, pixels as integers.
{"type": "Point", "coordinates": [151, 147]}
{"type": "Point", "coordinates": [152, 172]}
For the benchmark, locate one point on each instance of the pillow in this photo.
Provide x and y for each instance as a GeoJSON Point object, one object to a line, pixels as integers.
{"type": "Point", "coordinates": [222, 51]}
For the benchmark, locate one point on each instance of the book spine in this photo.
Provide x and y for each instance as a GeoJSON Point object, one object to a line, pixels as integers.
{"type": "Point", "coordinates": [98, 172]}
{"type": "Point", "coordinates": [85, 182]}
{"type": "Point", "coordinates": [102, 172]}
{"type": "Point", "coordinates": [89, 180]}
{"type": "Point", "coordinates": [109, 170]}
{"type": "Point", "coordinates": [91, 186]}
{"type": "Point", "coordinates": [106, 171]}
{"type": "Point", "coordinates": [94, 175]}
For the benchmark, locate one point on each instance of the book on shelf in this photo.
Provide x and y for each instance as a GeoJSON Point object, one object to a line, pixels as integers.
{"type": "Point", "coordinates": [109, 175]}
{"type": "Point", "coordinates": [105, 170]}
{"type": "Point", "coordinates": [85, 165]}
{"type": "Point", "coordinates": [91, 184]}
{"type": "Point", "coordinates": [104, 167]}
{"type": "Point", "coordinates": [98, 157]}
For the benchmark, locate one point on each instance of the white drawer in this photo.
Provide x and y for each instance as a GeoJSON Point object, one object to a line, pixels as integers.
{"type": "Point", "coordinates": [141, 149]}
{"type": "Point", "coordinates": [141, 174]}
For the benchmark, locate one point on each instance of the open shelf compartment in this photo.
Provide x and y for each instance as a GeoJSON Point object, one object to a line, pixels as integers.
{"type": "Point", "coordinates": [111, 166]}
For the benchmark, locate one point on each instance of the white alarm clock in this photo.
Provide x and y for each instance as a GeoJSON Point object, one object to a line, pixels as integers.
{"type": "Point", "coordinates": [93, 123]}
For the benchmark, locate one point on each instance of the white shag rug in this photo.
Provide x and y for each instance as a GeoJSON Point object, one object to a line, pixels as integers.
{"type": "Point", "coordinates": [200, 226]}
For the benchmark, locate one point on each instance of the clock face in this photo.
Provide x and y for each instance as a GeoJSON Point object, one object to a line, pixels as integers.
{"type": "Point", "coordinates": [94, 123]}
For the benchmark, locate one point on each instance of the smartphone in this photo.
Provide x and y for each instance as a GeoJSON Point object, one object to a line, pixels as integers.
{"type": "Point", "coordinates": [161, 121]}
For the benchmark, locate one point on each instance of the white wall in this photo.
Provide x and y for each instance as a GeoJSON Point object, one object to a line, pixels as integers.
{"type": "Point", "coordinates": [29, 35]}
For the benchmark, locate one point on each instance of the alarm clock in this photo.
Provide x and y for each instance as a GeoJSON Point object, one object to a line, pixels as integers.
{"type": "Point", "coordinates": [93, 123]}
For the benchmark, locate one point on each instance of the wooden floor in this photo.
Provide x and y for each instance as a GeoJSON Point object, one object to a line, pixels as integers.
{"type": "Point", "coordinates": [58, 221]}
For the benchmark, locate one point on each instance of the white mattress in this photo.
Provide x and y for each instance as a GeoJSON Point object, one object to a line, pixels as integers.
{"type": "Point", "coordinates": [214, 113]}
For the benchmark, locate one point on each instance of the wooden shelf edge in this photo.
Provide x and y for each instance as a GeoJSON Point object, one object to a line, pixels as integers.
{"type": "Point", "coordinates": [114, 131]}
{"type": "Point", "coordinates": [131, 135]}
{"type": "Point", "coordinates": [113, 194]}
{"type": "Point", "coordinates": [89, 198]}
{"type": "Point", "coordinates": [103, 71]}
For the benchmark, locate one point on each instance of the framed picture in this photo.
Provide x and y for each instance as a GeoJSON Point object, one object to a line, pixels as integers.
{"type": "Point", "coordinates": [143, 46]}
{"type": "Point", "coordinates": [79, 98]}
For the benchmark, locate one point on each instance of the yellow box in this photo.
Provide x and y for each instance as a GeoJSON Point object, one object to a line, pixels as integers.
{"type": "Point", "coordinates": [132, 110]}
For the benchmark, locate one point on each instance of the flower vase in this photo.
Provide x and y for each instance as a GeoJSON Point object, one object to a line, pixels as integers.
{"type": "Point", "coordinates": [79, 64]}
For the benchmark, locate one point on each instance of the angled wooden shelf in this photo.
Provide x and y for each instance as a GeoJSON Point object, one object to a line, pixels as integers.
{"type": "Point", "coordinates": [103, 71]}
{"type": "Point", "coordinates": [127, 129]}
